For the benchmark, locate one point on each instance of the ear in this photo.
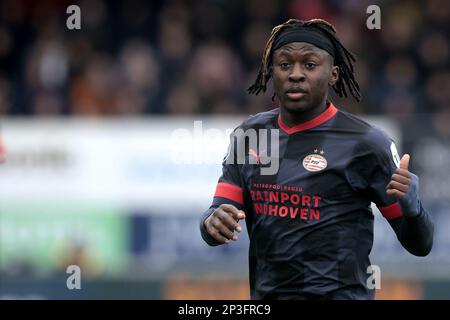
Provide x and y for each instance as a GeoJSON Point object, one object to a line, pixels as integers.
{"type": "Point", "coordinates": [334, 75]}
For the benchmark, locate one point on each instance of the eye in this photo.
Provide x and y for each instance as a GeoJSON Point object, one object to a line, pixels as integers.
{"type": "Point", "coordinates": [284, 65]}
{"type": "Point", "coordinates": [310, 65]}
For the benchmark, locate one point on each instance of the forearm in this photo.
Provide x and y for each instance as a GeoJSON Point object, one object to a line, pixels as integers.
{"type": "Point", "coordinates": [415, 233]}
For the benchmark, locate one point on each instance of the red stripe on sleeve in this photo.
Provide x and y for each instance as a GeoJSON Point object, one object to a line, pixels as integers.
{"type": "Point", "coordinates": [229, 191]}
{"type": "Point", "coordinates": [391, 212]}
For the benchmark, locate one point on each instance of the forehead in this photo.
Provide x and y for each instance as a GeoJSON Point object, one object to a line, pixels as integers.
{"type": "Point", "coordinates": [300, 48]}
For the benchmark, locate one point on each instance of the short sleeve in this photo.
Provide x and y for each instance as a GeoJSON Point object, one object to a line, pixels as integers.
{"type": "Point", "coordinates": [374, 162]}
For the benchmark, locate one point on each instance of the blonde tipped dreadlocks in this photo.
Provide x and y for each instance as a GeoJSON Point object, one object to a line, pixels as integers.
{"type": "Point", "coordinates": [343, 58]}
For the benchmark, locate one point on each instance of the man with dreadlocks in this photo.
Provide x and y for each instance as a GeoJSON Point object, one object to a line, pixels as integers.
{"type": "Point", "coordinates": [310, 224]}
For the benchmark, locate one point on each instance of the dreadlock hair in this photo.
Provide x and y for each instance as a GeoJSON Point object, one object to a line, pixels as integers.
{"type": "Point", "coordinates": [343, 58]}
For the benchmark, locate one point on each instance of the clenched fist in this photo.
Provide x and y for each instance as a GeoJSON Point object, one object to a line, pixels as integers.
{"type": "Point", "coordinates": [223, 221]}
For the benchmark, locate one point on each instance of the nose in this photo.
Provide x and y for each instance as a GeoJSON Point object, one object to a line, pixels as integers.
{"type": "Point", "coordinates": [297, 74]}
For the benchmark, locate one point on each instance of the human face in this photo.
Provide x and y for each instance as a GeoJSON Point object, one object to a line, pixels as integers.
{"type": "Point", "coordinates": [301, 75]}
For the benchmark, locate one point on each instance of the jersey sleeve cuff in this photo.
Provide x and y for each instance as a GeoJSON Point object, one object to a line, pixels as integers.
{"type": "Point", "coordinates": [392, 211]}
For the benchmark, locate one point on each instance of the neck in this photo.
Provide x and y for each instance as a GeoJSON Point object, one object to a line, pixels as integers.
{"type": "Point", "coordinates": [295, 118]}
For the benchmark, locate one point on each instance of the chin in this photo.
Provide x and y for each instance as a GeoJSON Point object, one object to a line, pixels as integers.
{"type": "Point", "coordinates": [297, 106]}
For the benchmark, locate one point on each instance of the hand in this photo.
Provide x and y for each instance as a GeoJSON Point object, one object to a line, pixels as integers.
{"type": "Point", "coordinates": [404, 186]}
{"type": "Point", "coordinates": [222, 221]}
{"type": "Point", "coordinates": [400, 180]}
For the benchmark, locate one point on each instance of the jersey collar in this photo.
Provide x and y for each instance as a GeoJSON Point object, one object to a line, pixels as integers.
{"type": "Point", "coordinates": [321, 118]}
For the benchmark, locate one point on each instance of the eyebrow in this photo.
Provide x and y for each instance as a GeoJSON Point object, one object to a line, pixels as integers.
{"type": "Point", "coordinates": [304, 54]}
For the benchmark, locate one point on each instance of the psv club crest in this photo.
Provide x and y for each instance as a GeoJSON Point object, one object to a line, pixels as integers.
{"type": "Point", "coordinates": [315, 162]}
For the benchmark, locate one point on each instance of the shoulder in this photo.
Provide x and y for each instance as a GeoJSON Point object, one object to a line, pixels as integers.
{"type": "Point", "coordinates": [371, 140]}
{"type": "Point", "coordinates": [352, 123]}
{"type": "Point", "coordinates": [260, 120]}
{"type": "Point", "coordinates": [369, 135]}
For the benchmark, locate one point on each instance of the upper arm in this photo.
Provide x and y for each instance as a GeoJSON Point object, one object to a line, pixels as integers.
{"type": "Point", "coordinates": [230, 186]}
{"type": "Point", "coordinates": [373, 164]}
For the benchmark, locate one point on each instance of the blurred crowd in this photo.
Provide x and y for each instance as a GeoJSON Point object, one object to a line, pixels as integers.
{"type": "Point", "coordinates": [199, 57]}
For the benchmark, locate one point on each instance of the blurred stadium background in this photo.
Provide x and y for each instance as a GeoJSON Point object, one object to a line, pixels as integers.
{"type": "Point", "coordinates": [95, 176]}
